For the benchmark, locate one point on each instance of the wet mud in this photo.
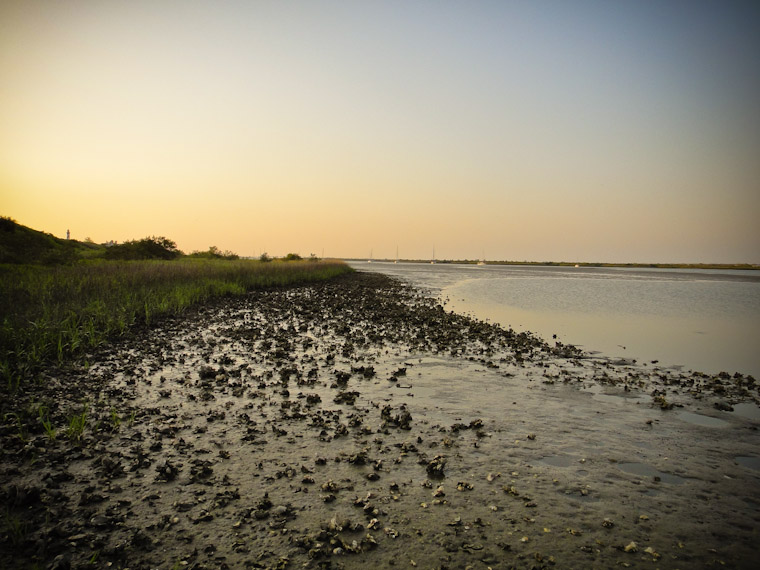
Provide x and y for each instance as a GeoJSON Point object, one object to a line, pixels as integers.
{"type": "Point", "coordinates": [357, 423]}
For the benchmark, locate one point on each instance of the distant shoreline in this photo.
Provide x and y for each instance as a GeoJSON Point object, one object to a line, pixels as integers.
{"type": "Point", "coordinates": [734, 266]}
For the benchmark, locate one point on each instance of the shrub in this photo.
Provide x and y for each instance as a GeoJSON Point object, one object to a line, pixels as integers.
{"type": "Point", "coordinates": [7, 224]}
{"type": "Point", "coordinates": [215, 253]}
{"type": "Point", "coordinates": [146, 248]}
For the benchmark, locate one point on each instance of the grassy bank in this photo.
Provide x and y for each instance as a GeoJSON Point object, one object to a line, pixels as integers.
{"type": "Point", "coordinates": [52, 314]}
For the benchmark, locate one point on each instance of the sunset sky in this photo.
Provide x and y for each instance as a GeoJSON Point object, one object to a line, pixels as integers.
{"type": "Point", "coordinates": [529, 130]}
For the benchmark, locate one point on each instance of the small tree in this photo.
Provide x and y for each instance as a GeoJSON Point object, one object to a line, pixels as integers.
{"type": "Point", "coordinates": [165, 243]}
{"type": "Point", "coordinates": [7, 224]}
{"type": "Point", "coordinates": [265, 257]}
{"type": "Point", "coordinates": [292, 257]}
{"type": "Point", "coordinates": [146, 248]}
{"type": "Point", "coordinates": [214, 252]}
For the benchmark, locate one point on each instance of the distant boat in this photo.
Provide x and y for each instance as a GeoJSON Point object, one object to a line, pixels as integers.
{"type": "Point", "coordinates": [432, 262]}
{"type": "Point", "coordinates": [396, 255]}
{"type": "Point", "coordinates": [481, 262]}
{"type": "Point", "coordinates": [370, 257]}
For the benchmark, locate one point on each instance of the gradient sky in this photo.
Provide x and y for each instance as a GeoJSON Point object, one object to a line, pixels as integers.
{"type": "Point", "coordinates": [529, 130]}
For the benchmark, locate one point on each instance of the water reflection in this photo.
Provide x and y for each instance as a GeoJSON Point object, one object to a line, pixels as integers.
{"type": "Point", "coordinates": [701, 420]}
{"type": "Point", "coordinates": [559, 460]}
{"type": "Point", "coordinates": [747, 410]}
{"type": "Point", "coordinates": [705, 320]}
{"type": "Point", "coordinates": [748, 461]}
{"type": "Point", "coordinates": [644, 470]}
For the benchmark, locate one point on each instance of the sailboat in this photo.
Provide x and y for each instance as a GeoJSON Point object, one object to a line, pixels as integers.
{"type": "Point", "coordinates": [432, 262]}
{"type": "Point", "coordinates": [482, 260]}
{"type": "Point", "coordinates": [370, 257]}
{"type": "Point", "coordinates": [396, 255]}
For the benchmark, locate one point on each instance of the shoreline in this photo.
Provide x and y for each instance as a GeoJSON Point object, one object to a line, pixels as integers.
{"type": "Point", "coordinates": [355, 422]}
{"type": "Point", "coordinates": [591, 264]}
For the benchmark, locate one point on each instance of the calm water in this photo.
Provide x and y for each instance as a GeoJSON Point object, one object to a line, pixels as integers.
{"type": "Point", "coordinates": [704, 320]}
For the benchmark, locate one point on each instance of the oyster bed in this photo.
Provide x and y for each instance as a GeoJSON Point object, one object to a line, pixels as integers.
{"type": "Point", "coordinates": [356, 423]}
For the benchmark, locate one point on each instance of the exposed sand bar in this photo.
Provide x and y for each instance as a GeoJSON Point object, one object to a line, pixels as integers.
{"type": "Point", "coordinates": [355, 423]}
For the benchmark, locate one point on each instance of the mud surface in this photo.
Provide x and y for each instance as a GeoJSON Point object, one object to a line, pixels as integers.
{"type": "Point", "coordinates": [358, 424]}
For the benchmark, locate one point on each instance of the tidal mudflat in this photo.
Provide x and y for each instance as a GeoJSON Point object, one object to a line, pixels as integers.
{"type": "Point", "coordinates": [355, 423]}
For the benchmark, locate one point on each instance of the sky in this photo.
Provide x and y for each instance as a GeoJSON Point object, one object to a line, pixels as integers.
{"type": "Point", "coordinates": [508, 130]}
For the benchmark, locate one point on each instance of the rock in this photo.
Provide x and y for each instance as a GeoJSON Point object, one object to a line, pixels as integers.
{"type": "Point", "coordinates": [61, 562]}
{"type": "Point", "coordinates": [166, 470]}
{"type": "Point", "coordinates": [207, 373]}
{"type": "Point", "coordinates": [280, 511]}
{"type": "Point", "coordinates": [402, 419]}
{"type": "Point", "coordinates": [435, 468]}
{"type": "Point", "coordinates": [347, 397]}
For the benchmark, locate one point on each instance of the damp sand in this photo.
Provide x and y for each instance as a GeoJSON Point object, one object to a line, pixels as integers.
{"type": "Point", "coordinates": [357, 424]}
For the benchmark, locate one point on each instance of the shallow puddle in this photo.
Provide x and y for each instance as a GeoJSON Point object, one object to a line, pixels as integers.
{"type": "Point", "coordinates": [559, 460]}
{"type": "Point", "coordinates": [599, 394]}
{"type": "Point", "coordinates": [747, 410]}
{"type": "Point", "coordinates": [701, 420]}
{"type": "Point", "coordinates": [645, 470]}
{"type": "Point", "coordinates": [746, 461]}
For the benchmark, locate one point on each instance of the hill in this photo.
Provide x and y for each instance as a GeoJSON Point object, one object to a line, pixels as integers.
{"type": "Point", "coordinates": [20, 244]}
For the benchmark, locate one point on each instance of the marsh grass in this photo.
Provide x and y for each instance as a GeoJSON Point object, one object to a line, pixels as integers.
{"type": "Point", "coordinates": [54, 314]}
{"type": "Point", "coordinates": [15, 419]}
{"type": "Point", "coordinates": [77, 423]}
{"type": "Point", "coordinates": [47, 425]}
{"type": "Point", "coordinates": [15, 529]}
{"type": "Point", "coordinates": [115, 419]}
